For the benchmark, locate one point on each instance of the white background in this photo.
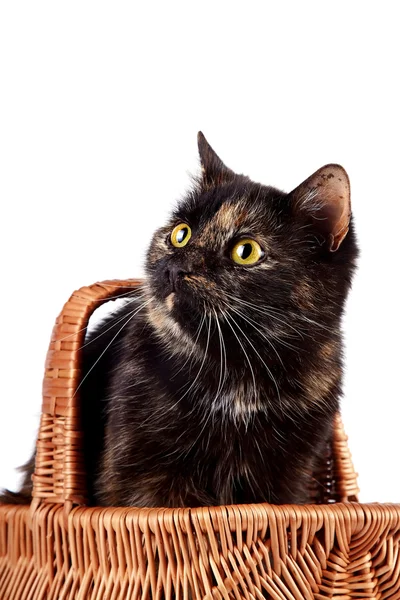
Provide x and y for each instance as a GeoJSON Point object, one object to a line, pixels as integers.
{"type": "Point", "coordinates": [100, 104]}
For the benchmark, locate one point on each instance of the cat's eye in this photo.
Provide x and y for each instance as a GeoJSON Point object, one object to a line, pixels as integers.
{"type": "Point", "coordinates": [247, 252]}
{"type": "Point", "coordinates": [180, 235]}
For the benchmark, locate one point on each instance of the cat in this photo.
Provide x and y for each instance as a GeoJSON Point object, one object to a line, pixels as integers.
{"type": "Point", "coordinates": [223, 370]}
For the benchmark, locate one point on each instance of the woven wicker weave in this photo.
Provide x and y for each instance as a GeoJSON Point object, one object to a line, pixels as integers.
{"type": "Point", "coordinates": [57, 550]}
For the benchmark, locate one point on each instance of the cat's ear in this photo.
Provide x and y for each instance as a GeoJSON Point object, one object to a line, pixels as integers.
{"type": "Point", "coordinates": [325, 198]}
{"type": "Point", "coordinates": [214, 172]}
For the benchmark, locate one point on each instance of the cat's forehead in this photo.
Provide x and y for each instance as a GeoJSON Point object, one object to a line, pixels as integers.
{"type": "Point", "coordinates": [223, 213]}
{"type": "Point", "coordinates": [227, 220]}
{"type": "Point", "coordinates": [233, 213]}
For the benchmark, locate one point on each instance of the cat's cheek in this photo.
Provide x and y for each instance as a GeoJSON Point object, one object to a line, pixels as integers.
{"type": "Point", "coordinates": [159, 249]}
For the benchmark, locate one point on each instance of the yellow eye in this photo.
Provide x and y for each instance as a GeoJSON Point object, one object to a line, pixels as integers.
{"type": "Point", "coordinates": [247, 252]}
{"type": "Point", "coordinates": [180, 235]}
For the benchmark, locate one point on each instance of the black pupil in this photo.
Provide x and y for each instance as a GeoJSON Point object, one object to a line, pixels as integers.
{"type": "Point", "coordinates": [182, 233]}
{"type": "Point", "coordinates": [244, 251]}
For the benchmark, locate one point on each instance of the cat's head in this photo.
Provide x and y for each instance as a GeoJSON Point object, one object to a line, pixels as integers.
{"type": "Point", "coordinates": [257, 262]}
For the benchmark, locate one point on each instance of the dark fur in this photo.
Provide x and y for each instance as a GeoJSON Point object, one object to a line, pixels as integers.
{"type": "Point", "coordinates": [161, 430]}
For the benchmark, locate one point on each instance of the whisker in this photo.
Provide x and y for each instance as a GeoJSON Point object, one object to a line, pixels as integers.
{"type": "Point", "coordinates": [252, 324]}
{"type": "Point", "coordinates": [84, 328]}
{"type": "Point", "coordinates": [108, 345]}
{"type": "Point", "coordinates": [124, 294]}
{"type": "Point", "coordinates": [223, 345]}
{"type": "Point", "coordinates": [266, 312]}
{"type": "Point", "coordinates": [228, 318]}
{"type": "Point", "coordinates": [198, 332]}
{"type": "Point", "coordinates": [260, 357]}
{"type": "Point", "coordinates": [202, 363]}
{"type": "Point", "coordinates": [269, 310]}
{"type": "Point", "coordinates": [308, 320]}
{"type": "Point", "coordinates": [220, 384]}
{"type": "Point", "coordinates": [111, 326]}
{"type": "Point", "coordinates": [192, 384]}
{"type": "Point", "coordinates": [121, 287]}
{"type": "Point", "coordinates": [221, 381]}
{"type": "Point", "coordinates": [273, 309]}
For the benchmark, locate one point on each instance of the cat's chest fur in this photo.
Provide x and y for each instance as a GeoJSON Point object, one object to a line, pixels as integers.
{"type": "Point", "coordinates": [189, 436]}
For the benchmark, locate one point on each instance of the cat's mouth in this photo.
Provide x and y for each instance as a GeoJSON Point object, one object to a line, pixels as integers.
{"type": "Point", "coordinates": [188, 292]}
{"type": "Point", "coordinates": [177, 310]}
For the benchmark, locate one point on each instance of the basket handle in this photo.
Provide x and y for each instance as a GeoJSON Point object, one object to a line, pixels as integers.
{"type": "Point", "coordinates": [344, 475]}
{"type": "Point", "coordinates": [59, 475]}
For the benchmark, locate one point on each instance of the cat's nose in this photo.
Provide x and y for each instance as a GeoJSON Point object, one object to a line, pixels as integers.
{"type": "Point", "coordinates": [173, 276]}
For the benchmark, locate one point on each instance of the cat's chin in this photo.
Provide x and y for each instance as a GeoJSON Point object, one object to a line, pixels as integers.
{"type": "Point", "coordinates": [162, 315]}
{"type": "Point", "coordinates": [170, 301]}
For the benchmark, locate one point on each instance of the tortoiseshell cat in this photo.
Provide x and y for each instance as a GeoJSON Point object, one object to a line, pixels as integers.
{"type": "Point", "coordinates": [224, 378]}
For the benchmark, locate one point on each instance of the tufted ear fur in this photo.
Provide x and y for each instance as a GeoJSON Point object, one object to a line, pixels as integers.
{"type": "Point", "coordinates": [214, 172]}
{"type": "Point", "coordinates": [325, 198]}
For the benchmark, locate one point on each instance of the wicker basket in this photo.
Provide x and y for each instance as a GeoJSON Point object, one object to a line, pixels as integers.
{"type": "Point", "coordinates": [57, 550]}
